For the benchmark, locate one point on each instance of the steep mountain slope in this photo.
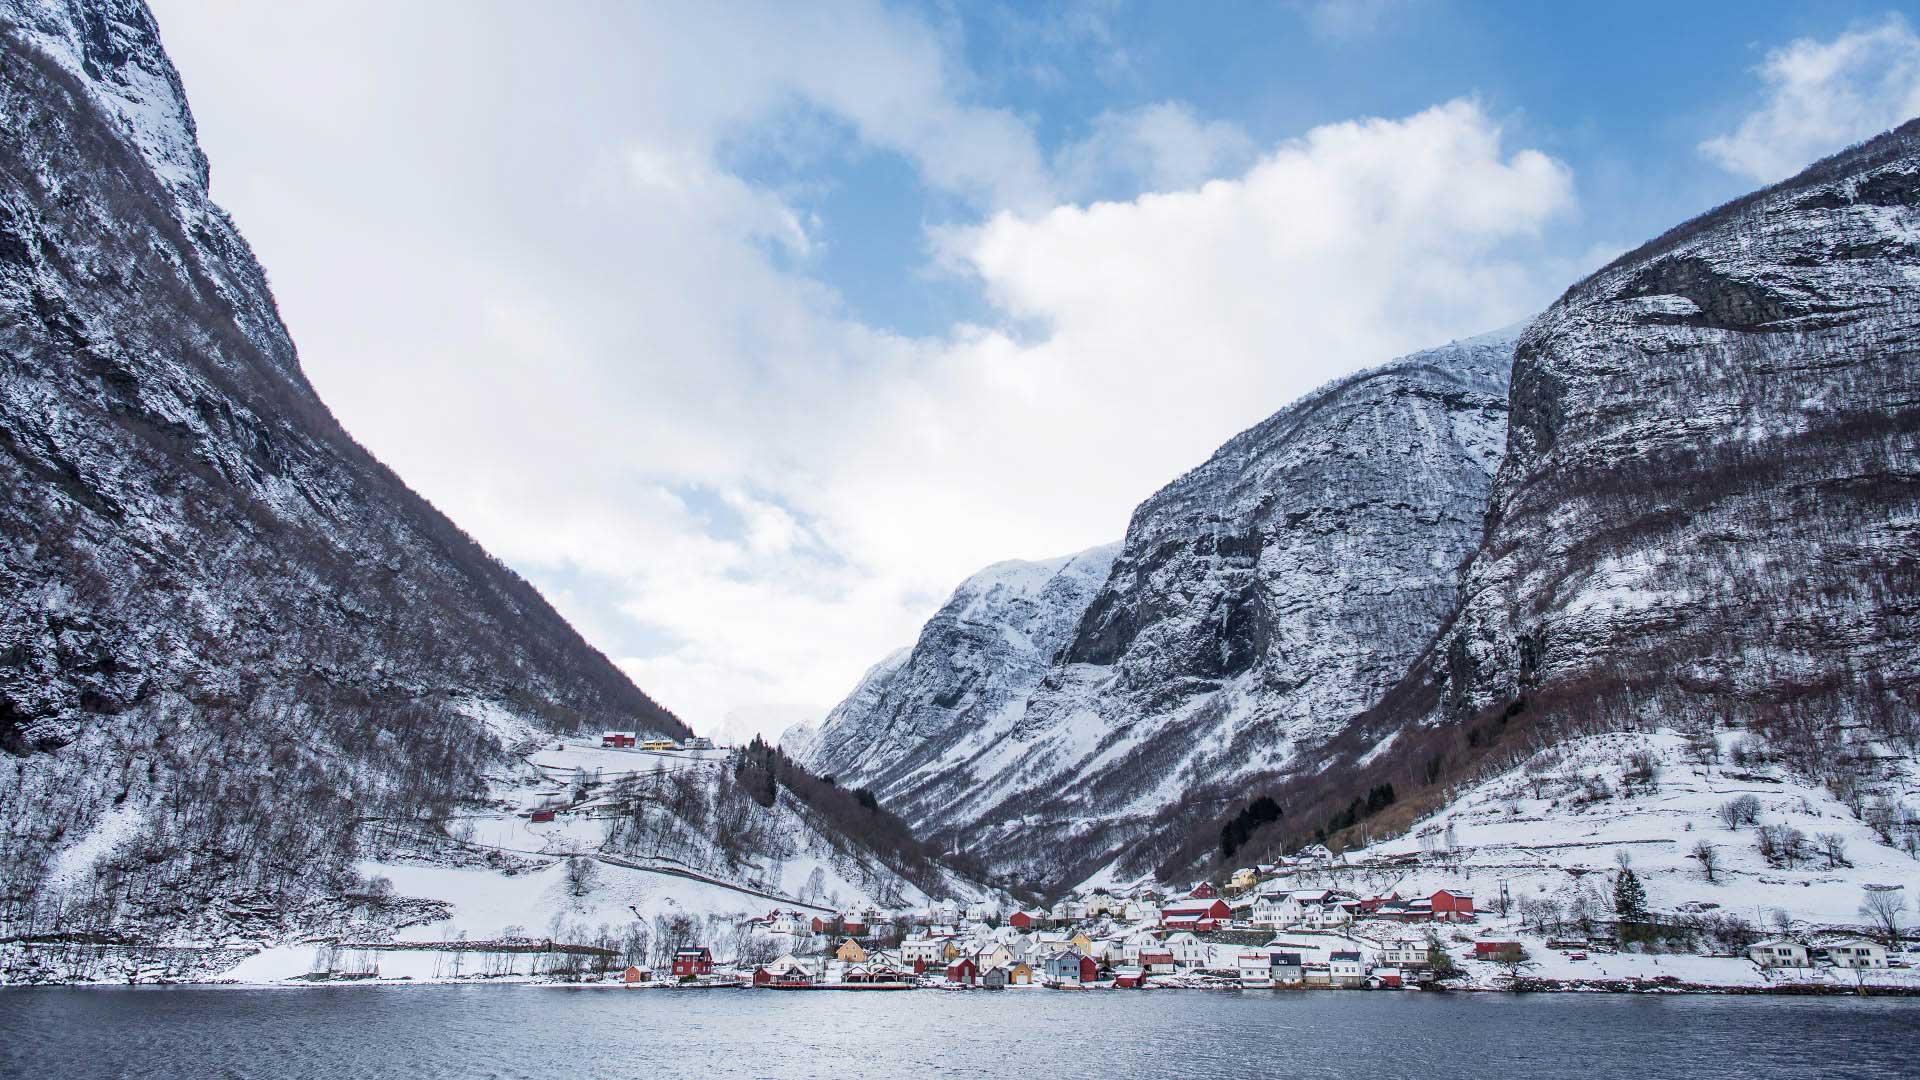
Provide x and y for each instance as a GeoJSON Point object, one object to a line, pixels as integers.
{"type": "Point", "coordinates": [1709, 512]}
{"type": "Point", "coordinates": [921, 716]}
{"type": "Point", "coordinates": [1257, 604]}
{"type": "Point", "coordinates": [227, 626]}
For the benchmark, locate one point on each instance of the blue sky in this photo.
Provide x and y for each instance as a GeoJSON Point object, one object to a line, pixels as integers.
{"type": "Point", "coordinates": [1621, 92]}
{"type": "Point", "coordinates": [746, 330]}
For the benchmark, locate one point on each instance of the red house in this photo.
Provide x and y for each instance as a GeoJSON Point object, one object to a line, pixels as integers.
{"type": "Point", "coordinates": [1486, 950]}
{"type": "Point", "coordinates": [694, 961]}
{"type": "Point", "coordinates": [618, 738]}
{"type": "Point", "coordinates": [637, 975]}
{"type": "Point", "coordinates": [1020, 920]}
{"type": "Point", "coordinates": [1201, 915]}
{"type": "Point", "coordinates": [963, 972]}
{"type": "Point", "coordinates": [540, 815]}
{"type": "Point", "coordinates": [1203, 890]}
{"type": "Point", "coordinates": [1452, 905]}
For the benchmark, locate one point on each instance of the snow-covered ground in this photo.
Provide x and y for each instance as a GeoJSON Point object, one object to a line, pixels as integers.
{"type": "Point", "coordinates": [1544, 830]}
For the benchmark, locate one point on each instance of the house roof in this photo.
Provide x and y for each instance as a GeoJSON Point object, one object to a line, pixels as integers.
{"type": "Point", "coordinates": [1349, 957]}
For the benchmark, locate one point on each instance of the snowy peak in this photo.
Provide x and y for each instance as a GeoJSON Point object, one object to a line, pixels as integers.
{"type": "Point", "coordinates": [964, 680]}
{"type": "Point", "coordinates": [113, 48]}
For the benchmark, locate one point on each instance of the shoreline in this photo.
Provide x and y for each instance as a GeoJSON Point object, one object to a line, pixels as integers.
{"type": "Point", "coordinates": [1539, 987]}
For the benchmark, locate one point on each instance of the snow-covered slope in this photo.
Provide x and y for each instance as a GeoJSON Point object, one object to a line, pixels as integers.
{"type": "Point", "coordinates": [918, 719]}
{"type": "Point", "coordinates": [1257, 604]}
{"type": "Point", "coordinates": [232, 641]}
{"type": "Point", "coordinates": [1553, 828]}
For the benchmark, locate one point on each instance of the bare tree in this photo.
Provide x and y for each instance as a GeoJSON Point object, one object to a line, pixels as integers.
{"type": "Point", "coordinates": [1514, 960]}
{"type": "Point", "coordinates": [582, 875]}
{"type": "Point", "coordinates": [1709, 859]}
{"type": "Point", "coordinates": [1834, 847]}
{"type": "Point", "coordinates": [1742, 810]}
{"type": "Point", "coordinates": [1883, 909]}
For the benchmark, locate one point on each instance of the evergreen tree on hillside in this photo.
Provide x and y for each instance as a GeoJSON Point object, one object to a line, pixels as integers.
{"type": "Point", "coordinates": [1629, 897]}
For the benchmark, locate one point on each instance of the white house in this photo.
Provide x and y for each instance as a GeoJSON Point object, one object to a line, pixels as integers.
{"type": "Point", "coordinates": [1780, 952]}
{"type": "Point", "coordinates": [928, 950]}
{"type": "Point", "coordinates": [1255, 969]}
{"type": "Point", "coordinates": [1854, 953]}
{"type": "Point", "coordinates": [1347, 968]}
{"type": "Point", "coordinates": [1410, 953]}
{"type": "Point", "coordinates": [1187, 950]}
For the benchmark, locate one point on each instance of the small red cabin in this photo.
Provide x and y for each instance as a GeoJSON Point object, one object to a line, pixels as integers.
{"type": "Point", "coordinates": [963, 972]}
{"type": "Point", "coordinates": [636, 976]}
{"type": "Point", "coordinates": [696, 961]}
{"type": "Point", "coordinates": [1204, 891]}
{"type": "Point", "coordinates": [1484, 950]}
{"type": "Point", "coordinates": [618, 738]}
{"type": "Point", "coordinates": [1020, 920]}
{"type": "Point", "coordinates": [1452, 905]}
{"type": "Point", "coordinates": [540, 815]}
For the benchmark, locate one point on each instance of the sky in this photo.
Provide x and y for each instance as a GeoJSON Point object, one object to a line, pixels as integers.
{"type": "Point", "coordinates": [747, 331]}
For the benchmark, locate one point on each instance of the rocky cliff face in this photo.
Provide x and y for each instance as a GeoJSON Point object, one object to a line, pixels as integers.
{"type": "Point", "coordinates": [229, 631]}
{"type": "Point", "coordinates": [1257, 605]}
{"type": "Point", "coordinates": [1710, 505]}
{"type": "Point", "coordinates": [922, 717]}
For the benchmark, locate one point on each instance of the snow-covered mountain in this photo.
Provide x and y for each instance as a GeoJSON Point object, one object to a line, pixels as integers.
{"type": "Point", "coordinates": [230, 635]}
{"type": "Point", "coordinates": [1256, 606]}
{"type": "Point", "coordinates": [918, 720]}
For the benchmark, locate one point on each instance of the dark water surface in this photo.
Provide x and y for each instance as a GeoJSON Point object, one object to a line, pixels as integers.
{"type": "Point", "coordinates": [550, 1033]}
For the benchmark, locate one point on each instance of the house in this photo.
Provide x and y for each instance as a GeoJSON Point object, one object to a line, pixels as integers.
{"type": "Point", "coordinates": [921, 952]}
{"type": "Point", "coordinates": [1201, 915]}
{"type": "Point", "coordinates": [1346, 969]}
{"type": "Point", "coordinates": [539, 816]}
{"type": "Point", "coordinates": [1256, 969]}
{"type": "Point", "coordinates": [1019, 973]}
{"type": "Point", "coordinates": [1410, 953]}
{"type": "Point", "coordinates": [994, 978]}
{"type": "Point", "coordinates": [1129, 977]}
{"type": "Point", "coordinates": [1488, 950]}
{"type": "Point", "coordinates": [618, 738]}
{"type": "Point", "coordinates": [1285, 968]}
{"type": "Point", "coordinates": [787, 922]}
{"type": "Point", "coordinates": [992, 955]}
{"type": "Point", "coordinates": [691, 962]}
{"type": "Point", "coordinates": [789, 970]}
{"type": "Point", "coordinates": [1243, 878]}
{"type": "Point", "coordinates": [853, 926]}
{"type": "Point", "coordinates": [700, 742]}
{"type": "Point", "coordinates": [1451, 905]}
{"type": "Point", "coordinates": [1140, 911]}
{"type": "Point", "coordinates": [634, 976]}
{"type": "Point", "coordinates": [1853, 953]}
{"type": "Point", "coordinates": [1202, 890]}
{"type": "Point", "coordinates": [1157, 963]}
{"type": "Point", "coordinates": [850, 952]}
{"type": "Point", "coordinates": [1070, 968]}
{"type": "Point", "coordinates": [1026, 920]}
{"type": "Point", "coordinates": [1187, 950]}
{"type": "Point", "coordinates": [1387, 978]}
{"type": "Point", "coordinates": [963, 972]}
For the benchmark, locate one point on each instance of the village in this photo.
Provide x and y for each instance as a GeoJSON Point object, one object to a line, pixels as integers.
{"type": "Point", "coordinates": [1259, 931]}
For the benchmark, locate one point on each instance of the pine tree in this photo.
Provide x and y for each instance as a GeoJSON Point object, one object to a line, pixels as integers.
{"type": "Point", "coordinates": [1629, 897]}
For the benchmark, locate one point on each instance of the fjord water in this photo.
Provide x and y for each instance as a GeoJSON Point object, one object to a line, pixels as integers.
{"type": "Point", "coordinates": [431, 1033]}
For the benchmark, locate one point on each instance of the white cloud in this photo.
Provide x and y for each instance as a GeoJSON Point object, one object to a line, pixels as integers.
{"type": "Point", "coordinates": [1823, 96]}
{"type": "Point", "coordinates": [1162, 147]}
{"type": "Point", "coordinates": [520, 272]}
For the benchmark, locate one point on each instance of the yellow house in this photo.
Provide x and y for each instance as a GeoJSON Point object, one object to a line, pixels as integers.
{"type": "Point", "coordinates": [1243, 878]}
{"type": "Point", "coordinates": [1020, 974]}
{"type": "Point", "coordinates": [850, 952]}
{"type": "Point", "coordinates": [1082, 942]}
{"type": "Point", "coordinates": [952, 952]}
